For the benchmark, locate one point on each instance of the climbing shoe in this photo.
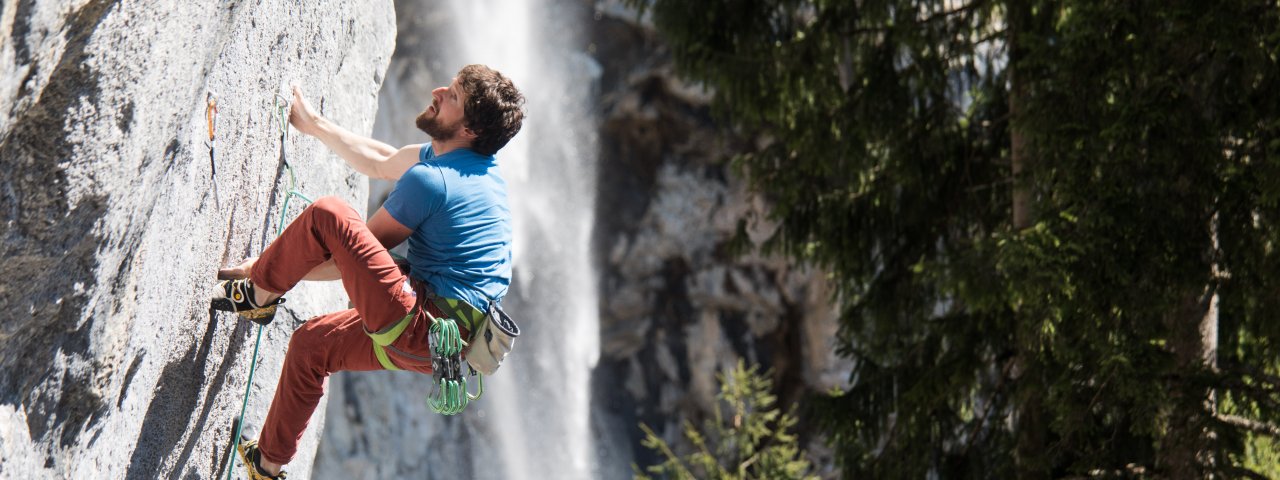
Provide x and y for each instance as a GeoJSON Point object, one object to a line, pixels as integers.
{"type": "Point", "coordinates": [237, 296]}
{"type": "Point", "coordinates": [249, 454]}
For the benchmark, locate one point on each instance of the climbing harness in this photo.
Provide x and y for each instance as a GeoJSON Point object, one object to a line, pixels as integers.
{"type": "Point", "coordinates": [282, 116]}
{"type": "Point", "coordinates": [449, 395]}
{"type": "Point", "coordinates": [211, 117]}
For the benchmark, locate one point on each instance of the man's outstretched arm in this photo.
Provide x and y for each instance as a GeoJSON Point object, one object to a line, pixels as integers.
{"type": "Point", "coordinates": [368, 156]}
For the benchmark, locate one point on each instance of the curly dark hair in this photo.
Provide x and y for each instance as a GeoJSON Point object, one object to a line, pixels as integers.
{"type": "Point", "coordinates": [494, 109]}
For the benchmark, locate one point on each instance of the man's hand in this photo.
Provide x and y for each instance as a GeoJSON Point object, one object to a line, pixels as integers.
{"type": "Point", "coordinates": [239, 271]}
{"type": "Point", "coordinates": [302, 116]}
{"type": "Point", "coordinates": [368, 156]}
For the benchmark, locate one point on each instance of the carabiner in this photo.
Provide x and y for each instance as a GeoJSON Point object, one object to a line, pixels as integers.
{"type": "Point", "coordinates": [282, 114]}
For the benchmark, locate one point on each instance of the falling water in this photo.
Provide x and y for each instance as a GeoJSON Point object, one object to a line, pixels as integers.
{"type": "Point", "coordinates": [540, 407]}
{"type": "Point", "coordinates": [534, 421]}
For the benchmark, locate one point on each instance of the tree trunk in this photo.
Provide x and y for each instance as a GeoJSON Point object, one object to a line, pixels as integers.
{"type": "Point", "coordinates": [1030, 428]}
{"type": "Point", "coordinates": [1193, 337]}
{"type": "Point", "coordinates": [1018, 155]}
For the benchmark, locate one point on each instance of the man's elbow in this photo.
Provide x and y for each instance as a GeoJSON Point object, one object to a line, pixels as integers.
{"type": "Point", "coordinates": [380, 168]}
{"type": "Point", "coordinates": [385, 152]}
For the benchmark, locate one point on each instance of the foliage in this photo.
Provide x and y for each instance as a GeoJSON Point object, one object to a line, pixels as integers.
{"type": "Point", "coordinates": [1262, 455]}
{"type": "Point", "coordinates": [1147, 132]}
{"type": "Point", "coordinates": [753, 442]}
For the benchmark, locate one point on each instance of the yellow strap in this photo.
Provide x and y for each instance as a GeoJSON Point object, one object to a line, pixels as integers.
{"type": "Point", "coordinates": [386, 337]}
{"type": "Point", "coordinates": [391, 333]}
{"type": "Point", "coordinates": [381, 353]}
{"type": "Point", "coordinates": [462, 312]}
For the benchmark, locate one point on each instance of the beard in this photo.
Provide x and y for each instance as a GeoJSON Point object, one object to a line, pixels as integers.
{"type": "Point", "coordinates": [431, 125]}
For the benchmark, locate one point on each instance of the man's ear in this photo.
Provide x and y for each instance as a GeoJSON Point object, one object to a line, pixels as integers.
{"type": "Point", "coordinates": [468, 133]}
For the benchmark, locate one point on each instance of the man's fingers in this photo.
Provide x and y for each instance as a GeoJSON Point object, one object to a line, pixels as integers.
{"type": "Point", "coordinates": [300, 114]}
{"type": "Point", "coordinates": [300, 100]}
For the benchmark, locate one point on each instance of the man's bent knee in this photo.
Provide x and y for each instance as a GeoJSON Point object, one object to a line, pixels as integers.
{"type": "Point", "coordinates": [331, 210]}
{"type": "Point", "coordinates": [331, 204]}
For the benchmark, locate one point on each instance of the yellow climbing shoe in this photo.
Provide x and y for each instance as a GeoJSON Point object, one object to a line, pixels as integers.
{"type": "Point", "coordinates": [237, 296]}
{"type": "Point", "coordinates": [249, 454]}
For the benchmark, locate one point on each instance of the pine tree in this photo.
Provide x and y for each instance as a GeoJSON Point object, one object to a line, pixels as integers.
{"type": "Point", "coordinates": [753, 442]}
{"type": "Point", "coordinates": [1053, 223]}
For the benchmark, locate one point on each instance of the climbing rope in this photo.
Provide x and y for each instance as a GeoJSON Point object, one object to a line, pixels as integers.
{"type": "Point", "coordinates": [281, 114]}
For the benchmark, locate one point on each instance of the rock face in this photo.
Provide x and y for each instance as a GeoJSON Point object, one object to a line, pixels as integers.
{"type": "Point", "coordinates": [112, 226]}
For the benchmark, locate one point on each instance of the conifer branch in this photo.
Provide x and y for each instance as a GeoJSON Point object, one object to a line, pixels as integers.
{"type": "Point", "coordinates": [1255, 426]}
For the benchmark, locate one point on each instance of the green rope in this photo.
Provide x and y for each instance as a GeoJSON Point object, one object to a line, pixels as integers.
{"type": "Point", "coordinates": [244, 404]}
{"type": "Point", "coordinates": [282, 117]}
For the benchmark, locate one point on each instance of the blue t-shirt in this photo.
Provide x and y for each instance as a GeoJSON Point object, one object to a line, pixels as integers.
{"type": "Point", "coordinates": [456, 205]}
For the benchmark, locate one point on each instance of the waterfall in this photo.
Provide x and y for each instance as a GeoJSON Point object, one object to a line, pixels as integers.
{"type": "Point", "coordinates": [539, 405]}
{"type": "Point", "coordinates": [534, 420]}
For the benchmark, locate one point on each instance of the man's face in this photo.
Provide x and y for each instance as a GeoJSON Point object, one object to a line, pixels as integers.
{"type": "Point", "coordinates": [443, 118]}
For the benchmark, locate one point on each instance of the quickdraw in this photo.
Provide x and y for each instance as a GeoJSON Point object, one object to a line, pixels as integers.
{"type": "Point", "coordinates": [282, 122]}
{"type": "Point", "coordinates": [211, 117]}
{"type": "Point", "coordinates": [449, 395]}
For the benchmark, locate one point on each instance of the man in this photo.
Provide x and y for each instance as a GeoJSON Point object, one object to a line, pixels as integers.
{"type": "Point", "coordinates": [448, 202]}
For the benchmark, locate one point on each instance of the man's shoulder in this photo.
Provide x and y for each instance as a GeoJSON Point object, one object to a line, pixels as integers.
{"type": "Point", "coordinates": [423, 175]}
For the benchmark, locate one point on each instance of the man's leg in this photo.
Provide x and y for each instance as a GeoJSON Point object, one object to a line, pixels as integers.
{"type": "Point", "coordinates": [321, 346]}
{"type": "Point", "coordinates": [330, 228]}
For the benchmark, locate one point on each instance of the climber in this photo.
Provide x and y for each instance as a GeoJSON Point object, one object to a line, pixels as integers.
{"type": "Point", "coordinates": [449, 203]}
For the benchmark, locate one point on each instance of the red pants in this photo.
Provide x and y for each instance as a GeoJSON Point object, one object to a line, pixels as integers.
{"type": "Point", "coordinates": [331, 229]}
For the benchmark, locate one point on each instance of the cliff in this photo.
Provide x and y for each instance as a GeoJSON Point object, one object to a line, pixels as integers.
{"type": "Point", "coordinates": [111, 227]}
